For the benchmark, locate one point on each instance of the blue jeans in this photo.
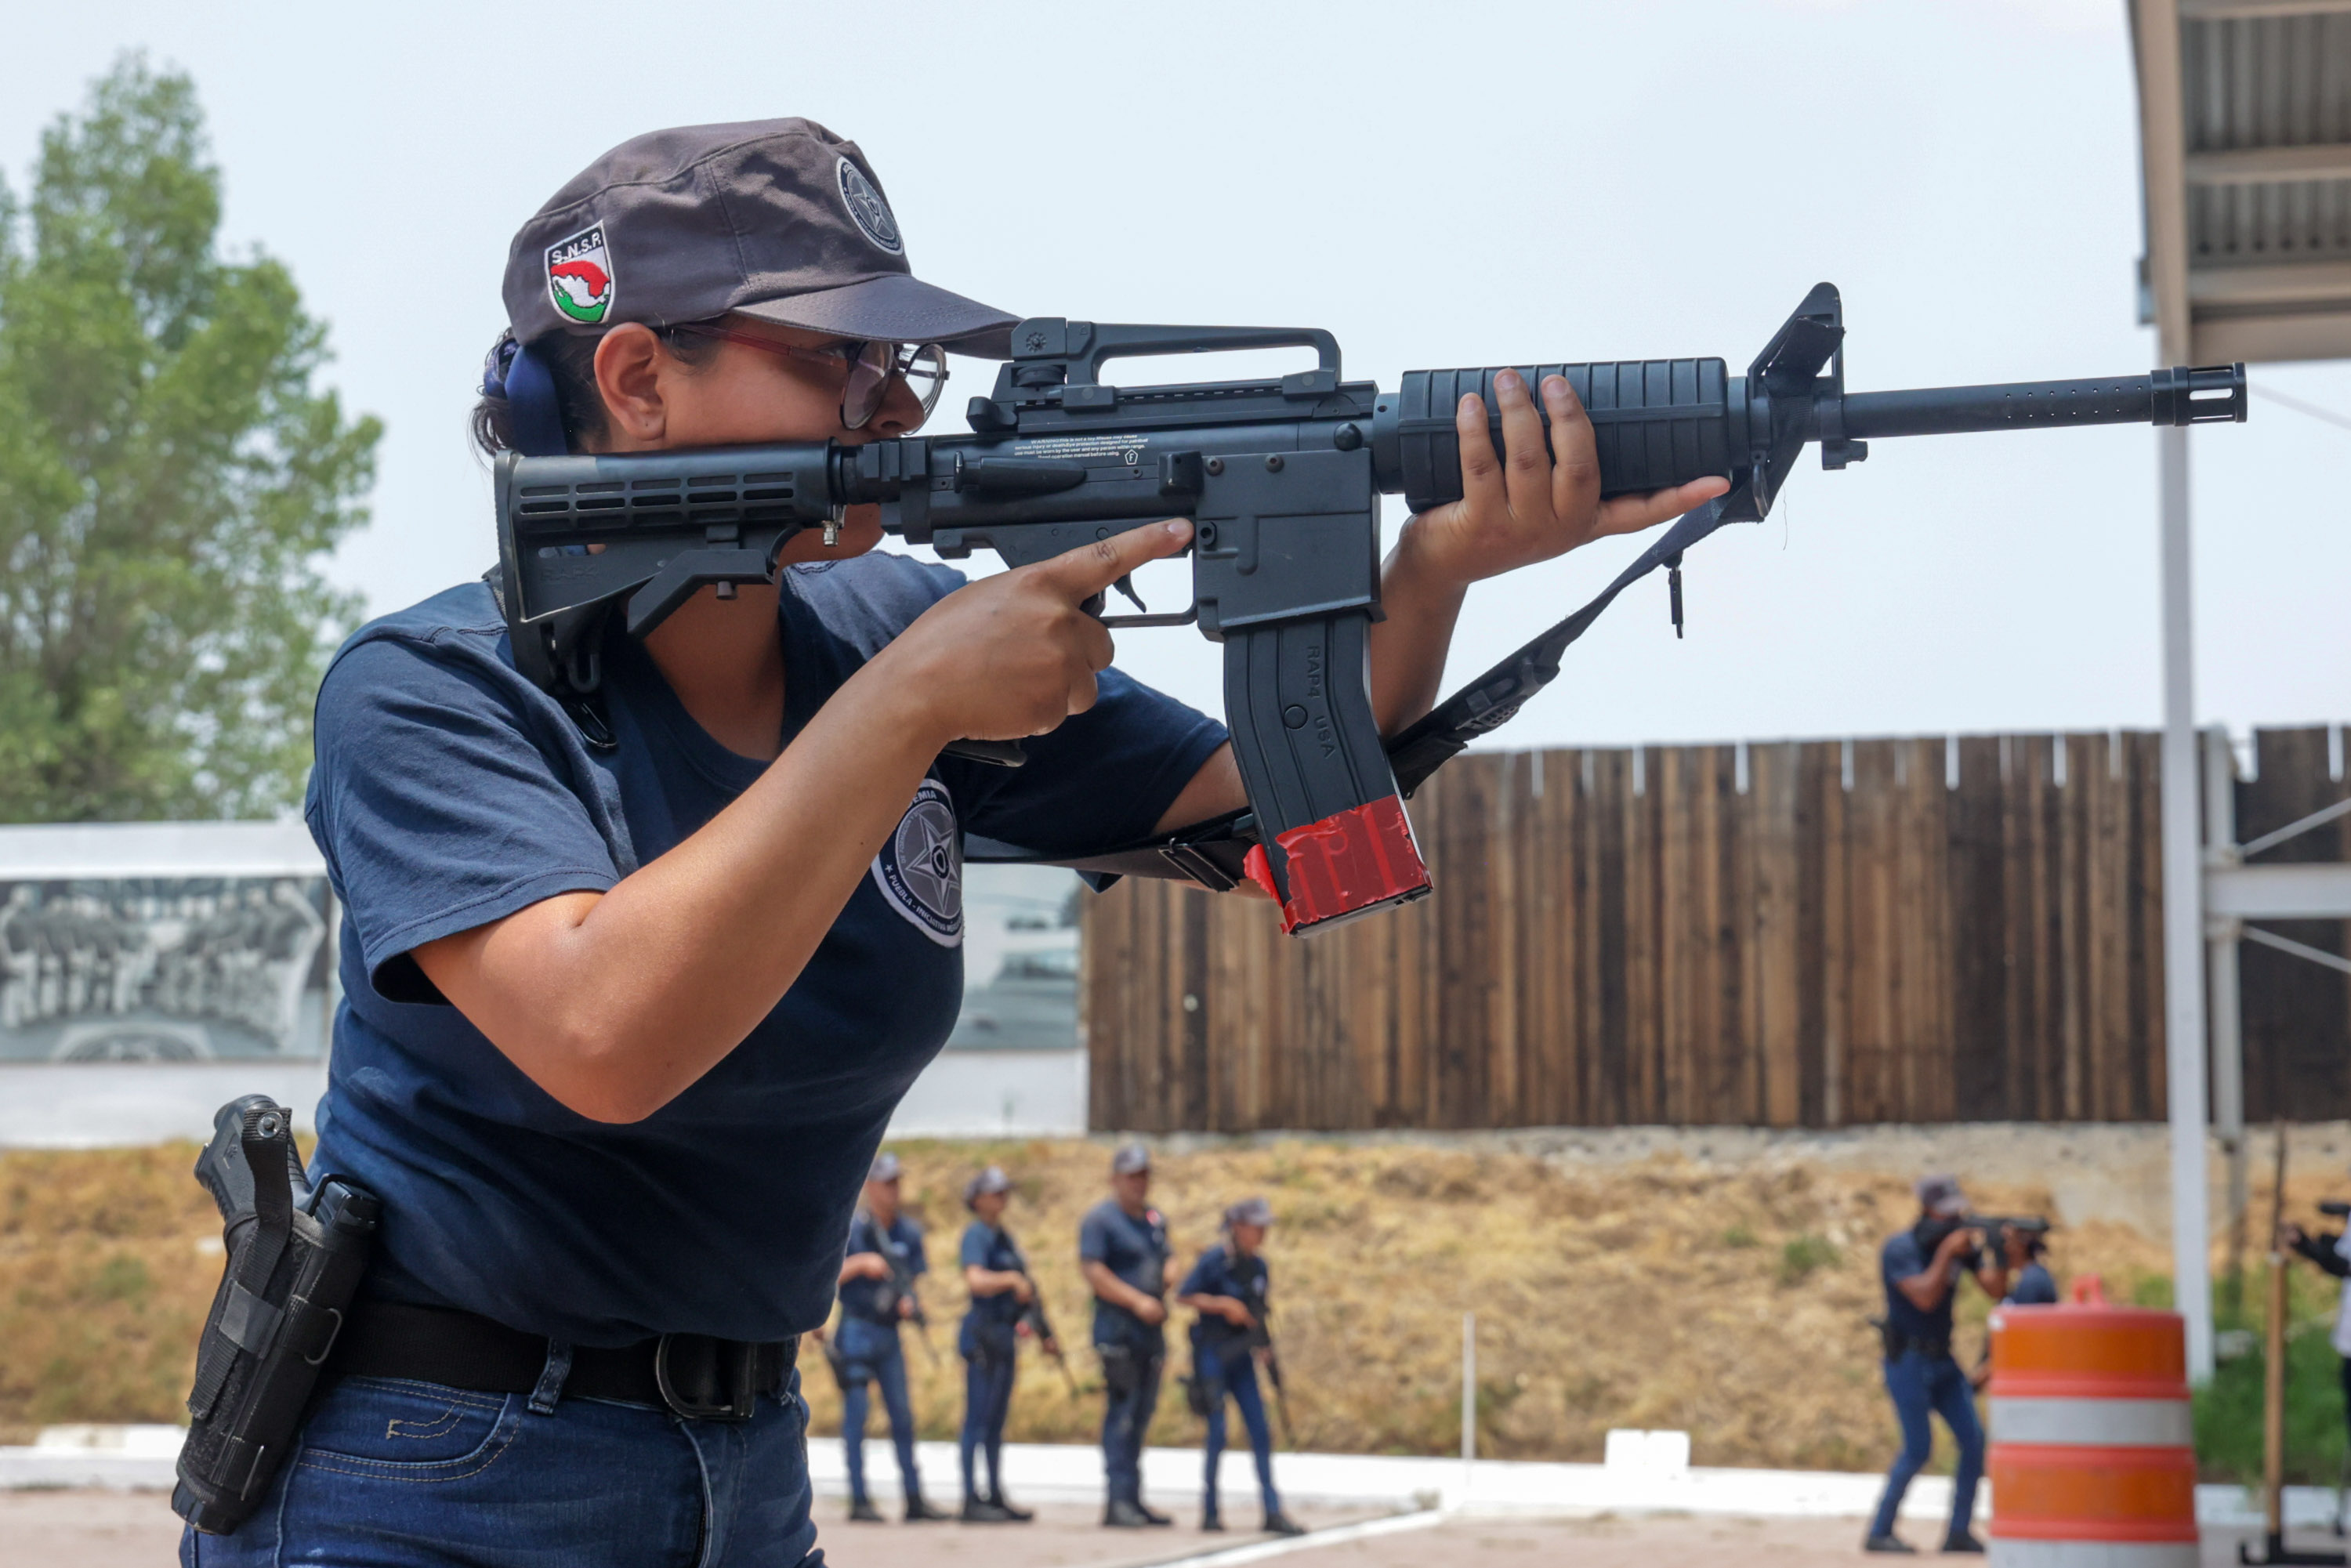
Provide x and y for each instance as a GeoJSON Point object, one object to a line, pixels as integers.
{"type": "Point", "coordinates": [1131, 1380]}
{"type": "Point", "coordinates": [1919, 1384]}
{"type": "Point", "coordinates": [871, 1354]}
{"type": "Point", "coordinates": [1233, 1370]}
{"type": "Point", "coordinates": [989, 1351]}
{"type": "Point", "coordinates": [388, 1473]}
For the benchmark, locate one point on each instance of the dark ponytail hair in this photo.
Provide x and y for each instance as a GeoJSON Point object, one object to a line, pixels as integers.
{"type": "Point", "coordinates": [571, 362]}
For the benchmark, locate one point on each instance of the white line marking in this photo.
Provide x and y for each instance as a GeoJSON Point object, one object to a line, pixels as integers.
{"type": "Point", "coordinates": [1337, 1535]}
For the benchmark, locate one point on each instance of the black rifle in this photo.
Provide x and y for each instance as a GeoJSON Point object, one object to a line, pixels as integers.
{"type": "Point", "coordinates": [1281, 480]}
{"type": "Point", "coordinates": [1260, 1344]}
{"type": "Point", "coordinates": [901, 1288]}
{"type": "Point", "coordinates": [1032, 1313]}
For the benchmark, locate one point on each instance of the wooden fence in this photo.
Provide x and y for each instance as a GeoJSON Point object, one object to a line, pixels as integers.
{"type": "Point", "coordinates": [1802, 933]}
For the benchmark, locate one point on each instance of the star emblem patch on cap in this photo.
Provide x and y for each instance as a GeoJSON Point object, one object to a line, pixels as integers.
{"type": "Point", "coordinates": [580, 276]}
{"type": "Point", "coordinates": [867, 209]}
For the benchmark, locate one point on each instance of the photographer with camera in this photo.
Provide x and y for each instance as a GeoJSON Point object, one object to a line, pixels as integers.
{"type": "Point", "coordinates": [1921, 1269]}
{"type": "Point", "coordinates": [2331, 1250]}
{"type": "Point", "coordinates": [2023, 1246]}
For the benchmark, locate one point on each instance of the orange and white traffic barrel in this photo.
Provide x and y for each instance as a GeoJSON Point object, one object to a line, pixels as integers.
{"type": "Point", "coordinates": [2093, 1463]}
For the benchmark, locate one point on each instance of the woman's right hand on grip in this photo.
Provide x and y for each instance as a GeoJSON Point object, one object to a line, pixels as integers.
{"type": "Point", "coordinates": [1013, 655]}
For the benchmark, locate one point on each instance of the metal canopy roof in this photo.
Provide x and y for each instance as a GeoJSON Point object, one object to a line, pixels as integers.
{"type": "Point", "coordinates": [2245, 150]}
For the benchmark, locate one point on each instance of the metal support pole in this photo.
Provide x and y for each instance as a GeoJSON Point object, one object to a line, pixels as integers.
{"type": "Point", "coordinates": [2183, 924]}
{"type": "Point", "coordinates": [2226, 1009]}
{"type": "Point", "coordinates": [1469, 1400]}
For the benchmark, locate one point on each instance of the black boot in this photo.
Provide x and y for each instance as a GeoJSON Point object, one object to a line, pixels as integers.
{"type": "Point", "coordinates": [1150, 1515]}
{"type": "Point", "coordinates": [980, 1511]}
{"type": "Point", "coordinates": [1210, 1520]}
{"type": "Point", "coordinates": [1016, 1515]}
{"type": "Point", "coordinates": [862, 1512]}
{"type": "Point", "coordinates": [1280, 1523]}
{"type": "Point", "coordinates": [1121, 1514]}
{"type": "Point", "coordinates": [1889, 1542]}
{"type": "Point", "coordinates": [920, 1512]}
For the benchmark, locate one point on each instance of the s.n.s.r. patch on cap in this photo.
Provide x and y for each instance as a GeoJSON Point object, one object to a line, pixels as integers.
{"type": "Point", "coordinates": [866, 208]}
{"type": "Point", "coordinates": [579, 279]}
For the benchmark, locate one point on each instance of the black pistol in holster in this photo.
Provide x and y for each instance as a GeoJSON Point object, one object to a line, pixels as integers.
{"type": "Point", "coordinates": [295, 1253]}
{"type": "Point", "coordinates": [1282, 481]}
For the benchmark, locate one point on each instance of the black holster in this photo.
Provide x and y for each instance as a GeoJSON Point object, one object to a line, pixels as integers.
{"type": "Point", "coordinates": [1126, 1367]}
{"type": "Point", "coordinates": [295, 1257]}
{"type": "Point", "coordinates": [838, 1362]}
{"type": "Point", "coordinates": [1897, 1344]}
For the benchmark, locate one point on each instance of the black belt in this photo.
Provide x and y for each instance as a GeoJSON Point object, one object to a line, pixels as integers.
{"type": "Point", "coordinates": [694, 1376]}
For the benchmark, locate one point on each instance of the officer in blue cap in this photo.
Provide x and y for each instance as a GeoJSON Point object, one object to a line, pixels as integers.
{"type": "Point", "coordinates": [634, 975]}
{"type": "Point", "coordinates": [998, 1278]}
{"type": "Point", "coordinates": [1123, 1251]}
{"type": "Point", "coordinates": [877, 1294]}
{"type": "Point", "coordinates": [1228, 1287]}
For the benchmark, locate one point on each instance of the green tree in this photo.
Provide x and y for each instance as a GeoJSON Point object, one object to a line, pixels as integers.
{"type": "Point", "coordinates": [170, 479]}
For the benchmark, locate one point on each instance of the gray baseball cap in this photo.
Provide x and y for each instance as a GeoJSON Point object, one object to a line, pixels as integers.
{"type": "Point", "coordinates": [1941, 1195]}
{"type": "Point", "coordinates": [1130, 1158]}
{"type": "Point", "coordinates": [1249, 1211]}
{"type": "Point", "coordinates": [885, 1168]}
{"type": "Point", "coordinates": [776, 219]}
{"type": "Point", "coordinates": [992, 1180]}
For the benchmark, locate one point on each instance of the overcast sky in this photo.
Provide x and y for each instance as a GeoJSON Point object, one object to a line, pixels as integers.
{"type": "Point", "coordinates": [1439, 185]}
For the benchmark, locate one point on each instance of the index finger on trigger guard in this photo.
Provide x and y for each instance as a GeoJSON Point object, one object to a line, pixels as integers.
{"type": "Point", "coordinates": [1091, 569]}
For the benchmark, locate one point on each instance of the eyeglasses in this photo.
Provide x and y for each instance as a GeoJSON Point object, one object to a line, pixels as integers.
{"type": "Point", "coordinates": [871, 364]}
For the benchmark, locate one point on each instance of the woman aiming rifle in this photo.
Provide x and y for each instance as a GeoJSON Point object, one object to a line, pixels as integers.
{"type": "Point", "coordinates": [632, 987]}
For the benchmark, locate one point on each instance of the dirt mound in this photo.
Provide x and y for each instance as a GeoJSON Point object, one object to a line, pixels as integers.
{"type": "Point", "coordinates": [1727, 1297]}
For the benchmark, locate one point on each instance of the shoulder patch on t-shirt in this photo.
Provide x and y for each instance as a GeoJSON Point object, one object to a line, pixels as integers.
{"type": "Point", "coordinates": [920, 869]}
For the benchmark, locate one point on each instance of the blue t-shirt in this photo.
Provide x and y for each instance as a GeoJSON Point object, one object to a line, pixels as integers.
{"type": "Point", "coordinates": [876, 1301]}
{"type": "Point", "coordinates": [2033, 1287]}
{"type": "Point", "coordinates": [1221, 1271]}
{"type": "Point", "coordinates": [450, 792]}
{"type": "Point", "coordinates": [1903, 1258]}
{"type": "Point", "coordinates": [987, 1247]}
{"type": "Point", "coordinates": [1136, 1250]}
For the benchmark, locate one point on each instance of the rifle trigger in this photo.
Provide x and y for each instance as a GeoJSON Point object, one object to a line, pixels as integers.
{"type": "Point", "coordinates": [1674, 590]}
{"type": "Point", "coordinates": [1126, 585]}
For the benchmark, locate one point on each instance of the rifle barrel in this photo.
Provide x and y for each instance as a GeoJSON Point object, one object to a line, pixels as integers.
{"type": "Point", "coordinates": [2178, 396]}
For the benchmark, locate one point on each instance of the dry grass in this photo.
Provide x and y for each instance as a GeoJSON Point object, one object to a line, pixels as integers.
{"type": "Point", "coordinates": [108, 1261]}
{"type": "Point", "coordinates": [1727, 1303]}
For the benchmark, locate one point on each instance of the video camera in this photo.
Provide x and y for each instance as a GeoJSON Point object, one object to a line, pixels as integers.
{"type": "Point", "coordinates": [1997, 1228]}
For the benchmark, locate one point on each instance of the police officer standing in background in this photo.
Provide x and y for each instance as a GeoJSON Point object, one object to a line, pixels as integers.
{"type": "Point", "coordinates": [997, 1277]}
{"type": "Point", "coordinates": [1123, 1252]}
{"type": "Point", "coordinates": [2030, 1283]}
{"type": "Point", "coordinates": [1227, 1287]}
{"type": "Point", "coordinates": [877, 1293]}
{"type": "Point", "coordinates": [1921, 1269]}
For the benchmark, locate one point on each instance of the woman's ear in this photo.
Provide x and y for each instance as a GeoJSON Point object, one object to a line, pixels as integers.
{"type": "Point", "coordinates": [629, 364]}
